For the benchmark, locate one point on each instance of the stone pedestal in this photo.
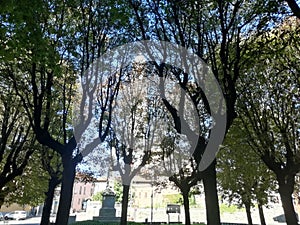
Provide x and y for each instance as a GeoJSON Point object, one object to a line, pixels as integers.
{"type": "Point", "coordinates": [107, 213]}
{"type": "Point", "coordinates": [72, 219]}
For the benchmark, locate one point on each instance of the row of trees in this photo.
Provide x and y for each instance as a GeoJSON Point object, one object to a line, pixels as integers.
{"type": "Point", "coordinates": [48, 45]}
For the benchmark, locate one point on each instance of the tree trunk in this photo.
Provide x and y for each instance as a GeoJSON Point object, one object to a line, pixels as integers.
{"type": "Point", "coordinates": [286, 188]}
{"type": "Point", "coordinates": [211, 195]}
{"type": "Point", "coordinates": [248, 212]}
{"type": "Point", "coordinates": [124, 204]}
{"type": "Point", "coordinates": [186, 204]}
{"type": "Point", "coordinates": [66, 190]}
{"type": "Point", "coordinates": [2, 198]}
{"type": "Point", "coordinates": [261, 214]}
{"type": "Point", "coordinates": [53, 182]}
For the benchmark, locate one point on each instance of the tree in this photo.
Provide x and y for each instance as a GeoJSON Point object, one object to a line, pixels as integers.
{"type": "Point", "coordinates": [54, 42]}
{"type": "Point", "coordinates": [36, 80]}
{"type": "Point", "coordinates": [17, 141]}
{"type": "Point", "coordinates": [22, 156]}
{"type": "Point", "coordinates": [269, 106]}
{"type": "Point", "coordinates": [181, 168]}
{"type": "Point", "coordinates": [133, 129]}
{"type": "Point", "coordinates": [294, 7]}
{"type": "Point", "coordinates": [243, 177]}
{"type": "Point", "coordinates": [28, 188]}
{"type": "Point", "coordinates": [51, 163]}
{"type": "Point", "coordinates": [47, 44]}
{"type": "Point", "coordinates": [175, 158]}
{"type": "Point", "coordinates": [217, 31]}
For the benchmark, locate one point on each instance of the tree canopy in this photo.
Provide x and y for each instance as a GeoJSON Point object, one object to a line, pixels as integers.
{"type": "Point", "coordinates": [251, 47]}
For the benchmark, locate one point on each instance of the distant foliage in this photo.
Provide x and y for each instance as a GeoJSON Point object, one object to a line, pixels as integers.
{"type": "Point", "coordinates": [118, 189]}
{"type": "Point", "coordinates": [98, 196]}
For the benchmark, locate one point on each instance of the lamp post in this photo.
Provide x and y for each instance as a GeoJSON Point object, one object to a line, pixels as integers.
{"type": "Point", "coordinates": [151, 216]}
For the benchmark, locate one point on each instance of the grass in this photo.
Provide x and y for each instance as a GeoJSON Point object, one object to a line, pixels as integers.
{"type": "Point", "coordinates": [224, 208]}
{"type": "Point", "coordinates": [91, 222]}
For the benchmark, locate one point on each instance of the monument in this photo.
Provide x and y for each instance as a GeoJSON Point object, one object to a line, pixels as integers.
{"type": "Point", "coordinates": [107, 212]}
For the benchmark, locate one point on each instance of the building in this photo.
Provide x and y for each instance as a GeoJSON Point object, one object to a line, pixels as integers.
{"type": "Point", "coordinates": [84, 188]}
{"type": "Point", "coordinates": [145, 193]}
{"type": "Point", "coordinates": [82, 191]}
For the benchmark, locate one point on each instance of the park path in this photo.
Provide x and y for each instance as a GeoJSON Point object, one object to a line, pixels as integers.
{"type": "Point", "coordinates": [197, 215]}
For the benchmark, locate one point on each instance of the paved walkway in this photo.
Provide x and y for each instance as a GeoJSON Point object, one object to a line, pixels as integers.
{"type": "Point", "coordinates": [197, 215]}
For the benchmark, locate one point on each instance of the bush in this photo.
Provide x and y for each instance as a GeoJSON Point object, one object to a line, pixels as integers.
{"type": "Point", "coordinates": [224, 208]}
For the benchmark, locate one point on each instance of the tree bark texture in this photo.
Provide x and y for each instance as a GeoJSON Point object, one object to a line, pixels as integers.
{"type": "Point", "coordinates": [53, 182]}
{"type": "Point", "coordinates": [211, 195]}
{"type": "Point", "coordinates": [261, 214]}
{"type": "Point", "coordinates": [124, 204]}
{"type": "Point", "coordinates": [286, 188]}
{"type": "Point", "coordinates": [186, 204]}
{"type": "Point", "coordinates": [248, 212]}
{"type": "Point", "coordinates": [66, 190]}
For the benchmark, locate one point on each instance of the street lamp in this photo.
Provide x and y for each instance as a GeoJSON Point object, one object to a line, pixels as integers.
{"type": "Point", "coordinates": [151, 216]}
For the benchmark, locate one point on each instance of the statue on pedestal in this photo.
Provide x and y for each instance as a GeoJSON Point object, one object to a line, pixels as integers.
{"type": "Point", "coordinates": [107, 213]}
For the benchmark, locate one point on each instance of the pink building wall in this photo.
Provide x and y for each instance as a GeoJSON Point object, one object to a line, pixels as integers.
{"type": "Point", "coordinates": [81, 192]}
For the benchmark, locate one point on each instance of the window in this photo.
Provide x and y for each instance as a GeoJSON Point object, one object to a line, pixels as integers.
{"type": "Point", "coordinates": [84, 189]}
{"type": "Point", "coordinates": [80, 189]}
